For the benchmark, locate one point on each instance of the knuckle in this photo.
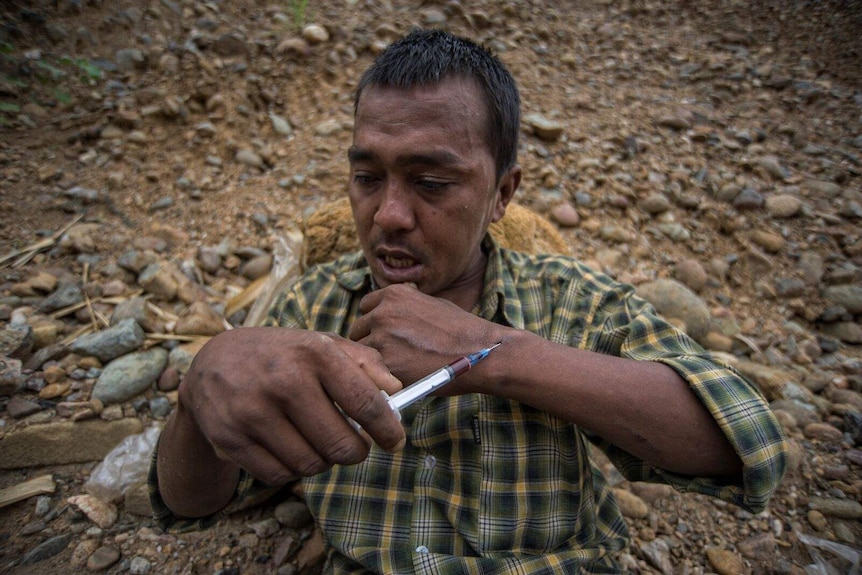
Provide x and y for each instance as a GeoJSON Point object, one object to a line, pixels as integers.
{"type": "Point", "coordinates": [346, 450]}
{"type": "Point", "coordinates": [307, 467]}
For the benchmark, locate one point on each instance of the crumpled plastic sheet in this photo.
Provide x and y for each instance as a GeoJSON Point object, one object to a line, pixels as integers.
{"type": "Point", "coordinates": [286, 269]}
{"type": "Point", "coordinates": [840, 559]}
{"type": "Point", "coordinates": [126, 466]}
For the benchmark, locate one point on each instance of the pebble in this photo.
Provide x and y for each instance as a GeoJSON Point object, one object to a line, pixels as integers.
{"type": "Point", "coordinates": [83, 551]}
{"type": "Point", "coordinates": [139, 566]}
{"type": "Point", "coordinates": [630, 505]}
{"type": "Point", "coordinates": [657, 553]}
{"type": "Point", "coordinates": [655, 204]}
{"type": "Point", "coordinates": [848, 296]}
{"type": "Point", "coordinates": [691, 273]}
{"type": "Point", "coordinates": [99, 512]}
{"type": "Point", "coordinates": [249, 158]}
{"type": "Point", "coordinates": [725, 562]}
{"type": "Point", "coordinates": [19, 408]}
{"type": "Point", "coordinates": [130, 375]}
{"type": "Point", "coordinates": [169, 380]}
{"type": "Point", "coordinates": [783, 206]}
{"type": "Point", "coordinates": [66, 295]}
{"type": "Point", "coordinates": [257, 267]}
{"type": "Point", "coordinates": [103, 558]}
{"type": "Point", "coordinates": [110, 343]}
{"type": "Point", "coordinates": [199, 319]}
{"type": "Point", "coordinates": [565, 215]}
{"type": "Point", "coordinates": [817, 520]}
{"type": "Point", "coordinates": [47, 549]}
{"type": "Point", "coordinates": [841, 508]}
{"type": "Point", "coordinates": [315, 34]}
{"type": "Point", "coordinates": [769, 241]}
{"type": "Point", "coordinates": [823, 432]}
{"type": "Point", "coordinates": [293, 514]}
{"type": "Point", "coordinates": [543, 128]}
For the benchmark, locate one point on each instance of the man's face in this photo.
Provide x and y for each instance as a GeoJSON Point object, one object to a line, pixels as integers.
{"type": "Point", "coordinates": [423, 187]}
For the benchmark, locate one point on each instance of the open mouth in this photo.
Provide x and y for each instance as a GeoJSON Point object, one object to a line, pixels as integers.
{"type": "Point", "coordinates": [398, 263]}
{"type": "Point", "coordinates": [398, 267]}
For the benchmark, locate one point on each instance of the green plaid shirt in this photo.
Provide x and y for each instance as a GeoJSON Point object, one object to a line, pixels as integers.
{"type": "Point", "coordinates": [487, 485]}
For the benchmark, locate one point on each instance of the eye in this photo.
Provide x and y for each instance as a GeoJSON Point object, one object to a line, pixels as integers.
{"type": "Point", "coordinates": [432, 185]}
{"type": "Point", "coordinates": [364, 179]}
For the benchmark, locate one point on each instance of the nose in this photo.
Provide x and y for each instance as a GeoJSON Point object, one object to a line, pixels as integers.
{"type": "Point", "coordinates": [395, 212]}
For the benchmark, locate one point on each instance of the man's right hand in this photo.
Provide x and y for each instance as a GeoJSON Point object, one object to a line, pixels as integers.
{"type": "Point", "coordinates": [264, 399]}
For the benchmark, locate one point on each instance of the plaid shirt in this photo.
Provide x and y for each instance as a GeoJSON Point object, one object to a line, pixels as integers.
{"type": "Point", "coordinates": [487, 485]}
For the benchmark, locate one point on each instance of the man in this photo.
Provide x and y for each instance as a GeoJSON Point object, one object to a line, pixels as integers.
{"type": "Point", "coordinates": [494, 476]}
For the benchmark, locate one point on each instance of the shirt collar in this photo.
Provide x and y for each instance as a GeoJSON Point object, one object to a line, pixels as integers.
{"type": "Point", "coordinates": [499, 300]}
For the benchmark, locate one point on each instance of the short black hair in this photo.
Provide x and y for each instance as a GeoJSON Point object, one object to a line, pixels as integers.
{"type": "Point", "coordinates": [426, 57]}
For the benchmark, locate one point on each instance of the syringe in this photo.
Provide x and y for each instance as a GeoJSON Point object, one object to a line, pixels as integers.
{"type": "Point", "coordinates": [432, 382]}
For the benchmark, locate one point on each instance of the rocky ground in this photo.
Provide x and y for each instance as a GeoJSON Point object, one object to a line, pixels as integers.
{"type": "Point", "coordinates": [153, 153]}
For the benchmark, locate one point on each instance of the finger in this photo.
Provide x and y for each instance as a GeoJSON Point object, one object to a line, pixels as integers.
{"type": "Point", "coordinates": [307, 452]}
{"type": "Point", "coordinates": [371, 362]}
{"type": "Point", "coordinates": [359, 396]}
{"type": "Point", "coordinates": [371, 300]}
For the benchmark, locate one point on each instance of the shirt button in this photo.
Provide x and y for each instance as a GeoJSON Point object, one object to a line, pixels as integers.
{"type": "Point", "coordinates": [430, 462]}
{"type": "Point", "coordinates": [421, 549]}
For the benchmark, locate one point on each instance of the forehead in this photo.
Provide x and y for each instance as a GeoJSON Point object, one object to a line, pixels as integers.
{"type": "Point", "coordinates": [454, 106]}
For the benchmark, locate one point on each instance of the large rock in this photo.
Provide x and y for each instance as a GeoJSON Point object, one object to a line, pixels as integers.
{"type": "Point", "coordinates": [130, 375]}
{"type": "Point", "coordinates": [64, 442]}
{"type": "Point", "coordinates": [675, 301]}
{"type": "Point", "coordinates": [111, 343]}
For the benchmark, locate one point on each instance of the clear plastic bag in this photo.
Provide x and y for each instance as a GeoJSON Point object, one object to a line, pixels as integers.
{"type": "Point", "coordinates": [838, 558]}
{"type": "Point", "coordinates": [124, 467]}
{"type": "Point", "coordinates": [286, 269]}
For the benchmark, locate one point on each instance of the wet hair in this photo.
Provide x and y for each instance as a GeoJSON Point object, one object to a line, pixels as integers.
{"type": "Point", "coordinates": [426, 57]}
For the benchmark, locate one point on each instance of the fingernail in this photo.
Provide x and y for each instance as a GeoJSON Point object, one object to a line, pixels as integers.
{"type": "Point", "coordinates": [400, 445]}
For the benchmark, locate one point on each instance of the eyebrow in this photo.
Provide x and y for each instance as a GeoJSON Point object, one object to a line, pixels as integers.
{"type": "Point", "coordinates": [441, 158]}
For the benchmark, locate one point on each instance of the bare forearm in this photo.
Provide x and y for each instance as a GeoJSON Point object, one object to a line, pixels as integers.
{"type": "Point", "coordinates": [642, 407]}
{"type": "Point", "coordinates": [193, 480]}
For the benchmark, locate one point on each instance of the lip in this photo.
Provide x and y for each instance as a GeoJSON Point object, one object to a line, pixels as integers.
{"type": "Point", "coordinates": [398, 266]}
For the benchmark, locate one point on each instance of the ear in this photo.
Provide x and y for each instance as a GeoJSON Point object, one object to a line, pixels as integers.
{"type": "Point", "coordinates": [506, 188]}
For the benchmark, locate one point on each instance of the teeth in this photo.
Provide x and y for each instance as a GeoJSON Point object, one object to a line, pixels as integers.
{"type": "Point", "coordinates": [399, 262]}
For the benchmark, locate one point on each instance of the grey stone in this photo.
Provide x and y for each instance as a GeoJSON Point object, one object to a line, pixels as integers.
{"type": "Point", "coordinates": [130, 59]}
{"type": "Point", "coordinates": [545, 129]}
{"type": "Point", "coordinates": [11, 378]}
{"type": "Point", "coordinates": [674, 300]}
{"type": "Point", "coordinates": [137, 310]}
{"type": "Point", "coordinates": [139, 566]}
{"type": "Point", "coordinates": [47, 549]}
{"type": "Point", "coordinates": [249, 158]}
{"type": "Point", "coordinates": [846, 331]}
{"type": "Point", "coordinates": [108, 344]}
{"type": "Point", "coordinates": [160, 407]}
{"type": "Point", "coordinates": [847, 296]}
{"type": "Point", "coordinates": [67, 294]}
{"type": "Point", "coordinates": [19, 407]}
{"type": "Point", "coordinates": [130, 375]}
{"type": "Point", "coordinates": [64, 442]}
{"type": "Point", "coordinates": [748, 199]}
{"type": "Point", "coordinates": [16, 341]}
{"type": "Point", "coordinates": [841, 508]}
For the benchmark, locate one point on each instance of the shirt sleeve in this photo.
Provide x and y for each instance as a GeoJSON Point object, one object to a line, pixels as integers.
{"type": "Point", "coordinates": [736, 405]}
